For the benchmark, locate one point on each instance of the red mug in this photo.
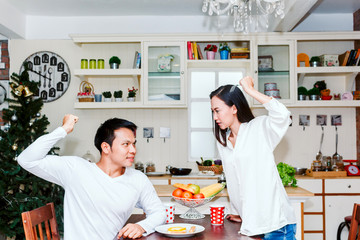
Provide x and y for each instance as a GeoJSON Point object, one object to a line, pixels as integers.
{"type": "Point", "coordinates": [217, 214]}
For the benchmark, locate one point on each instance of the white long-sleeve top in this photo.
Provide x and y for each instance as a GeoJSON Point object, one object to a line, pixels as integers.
{"type": "Point", "coordinates": [96, 206]}
{"type": "Point", "coordinates": [255, 189]}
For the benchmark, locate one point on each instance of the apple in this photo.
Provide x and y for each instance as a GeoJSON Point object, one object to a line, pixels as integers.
{"type": "Point", "coordinates": [198, 196]}
{"type": "Point", "coordinates": [195, 187]}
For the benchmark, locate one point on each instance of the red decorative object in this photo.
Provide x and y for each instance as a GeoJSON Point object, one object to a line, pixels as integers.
{"type": "Point", "coordinates": [326, 97]}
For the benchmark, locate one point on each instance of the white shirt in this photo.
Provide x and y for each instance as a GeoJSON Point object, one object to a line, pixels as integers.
{"type": "Point", "coordinates": [96, 206]}
{"type": "Point", "coordinates": [255, 189]}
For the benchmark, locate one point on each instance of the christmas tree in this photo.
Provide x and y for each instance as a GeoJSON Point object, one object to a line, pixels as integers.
{"type": "Point", "coordinates": [20, 190]}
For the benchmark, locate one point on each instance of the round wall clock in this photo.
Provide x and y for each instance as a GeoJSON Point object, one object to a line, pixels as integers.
{"type": "Point", "coordinates": [51, 71]}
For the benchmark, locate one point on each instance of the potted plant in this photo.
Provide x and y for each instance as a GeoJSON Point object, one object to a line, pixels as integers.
{"type": "Point", "coordinates": [107, 96]}
{"type": "Point", "coordinates": [224, 50]}
{"type": "Point", "coordinates": [315, 61]}
{"type": "Point", "coordinates": [210, 51]}
{"type": "Point", "coordinates": [114, 62]}
{"type": "Point", "coordinates": [131, 94]}
{"type": "Point", "coordinates": [118, 96]}
{"type": "Point", "coordinates": [302, 93]}
{"type": "Point", "coordinates": [314, 94]}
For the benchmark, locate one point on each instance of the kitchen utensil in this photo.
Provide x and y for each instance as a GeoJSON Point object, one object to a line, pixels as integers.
{"type": "Point", "coordinates": [180, 171]}
{"type": "Point", "coordinates": [336, 155]}
{"type": "Point", "coordinates": [300, 171]}
{"type": "Point", "coordinates": [319, 154]}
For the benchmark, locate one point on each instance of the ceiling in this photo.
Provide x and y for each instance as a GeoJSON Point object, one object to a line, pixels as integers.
{"type": "Point", "coordinates": [147, 7]}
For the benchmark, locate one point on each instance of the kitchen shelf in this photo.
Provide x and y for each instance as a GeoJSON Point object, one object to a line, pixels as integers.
{"type": "Point", "coordinates": [274, 73]}
{"type": "Point", "coordinates": [350, 72]}
{"type": "Point", "coordinates": [107, 105]}
{"type": "Point", "coordinates": [219, 63]}
{"type": "Point", "coordinates": [326, 103]}
{"type": "Point", "coordinates": [107, 72]}
{"type": "Point", "coordinates": [167, 75]}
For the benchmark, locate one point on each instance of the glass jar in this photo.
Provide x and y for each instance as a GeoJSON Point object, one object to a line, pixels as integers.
{"type": "Point", "coordinates": [100, 64]}
{"type": "Point", "coordinates": [316, 165]}
{"type": "Point", "coordinates": [326, 163]}
{"type": "Point", "coordinates": [139, 166]}
{"type": "Point", "coordinates": [84, 64]}
{"type": "Point", "coordinates": [150, 167]}
{"type": "Point", "coordinates": [92, 63]}
{"type": "Point", "coordinates": [338, 162]}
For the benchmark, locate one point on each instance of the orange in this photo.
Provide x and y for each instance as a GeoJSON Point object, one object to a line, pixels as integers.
{"type": "Point", "coordinates": [187, 194]}
{"type": "Point", "coordinates": [177, 193]}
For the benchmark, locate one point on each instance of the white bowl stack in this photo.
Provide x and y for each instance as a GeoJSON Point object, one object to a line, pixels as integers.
{"type": "Point", "coordinates": [271, 90]}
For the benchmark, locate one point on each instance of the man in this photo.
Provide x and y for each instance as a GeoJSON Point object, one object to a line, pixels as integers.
{"type": "Point", "coordinates": [99, 197]}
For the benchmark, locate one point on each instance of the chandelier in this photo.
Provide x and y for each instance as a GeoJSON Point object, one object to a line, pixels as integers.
{"type": "Point", "coordinates": [247, 13]}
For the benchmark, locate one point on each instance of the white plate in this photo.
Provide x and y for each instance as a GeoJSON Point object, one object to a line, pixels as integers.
{"type": "Point", "coordinates": [163, 230]}
{"type": "Point", "coordinates": [155, 173]}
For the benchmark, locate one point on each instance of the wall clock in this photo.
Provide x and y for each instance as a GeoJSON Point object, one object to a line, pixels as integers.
{"type": "Point", "coordinates": [52, 71]}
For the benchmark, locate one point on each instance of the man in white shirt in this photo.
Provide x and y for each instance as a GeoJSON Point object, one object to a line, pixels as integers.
{"type": "Point", "coordinates": [99, 197]}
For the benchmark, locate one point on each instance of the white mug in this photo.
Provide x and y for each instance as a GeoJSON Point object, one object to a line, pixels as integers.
{"type": "Point", "coordinates": [170, 212]}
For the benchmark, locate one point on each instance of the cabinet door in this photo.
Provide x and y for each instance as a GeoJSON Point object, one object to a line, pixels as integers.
{"type": "Point", "coordinates": [274, 70]}
{"type": "Point", "coordinates": [164, 73]}
{"type": "Point", "coordinates": [336, 208]}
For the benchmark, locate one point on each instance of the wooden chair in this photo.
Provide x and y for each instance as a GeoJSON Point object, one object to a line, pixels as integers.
{"type": "Point", "coordinates": [34, 221]}
{"type": "Point", "coordinates": [355, 221]}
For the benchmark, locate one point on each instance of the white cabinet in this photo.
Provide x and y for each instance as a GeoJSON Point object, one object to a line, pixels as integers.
{"type": "Point", "coordinates": [166, 87]}
{"type": "Point", "coordinates": [334, 199]}
{"type": "Point", "coordinates": [336, 208]}
{"type": "Point", "coordinates": [275, 64]}
{"type": "Point", "coordinates": [164, 74]}
{"type": "Point", "coordinates": [339, 79]}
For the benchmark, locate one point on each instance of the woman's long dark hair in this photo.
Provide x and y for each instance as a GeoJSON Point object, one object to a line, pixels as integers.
{"type": "Point", "coordinates": [231, 96]}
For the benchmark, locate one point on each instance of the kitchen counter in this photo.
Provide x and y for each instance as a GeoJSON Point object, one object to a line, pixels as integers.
{"type": "Point", "coordinates": [293, 192]}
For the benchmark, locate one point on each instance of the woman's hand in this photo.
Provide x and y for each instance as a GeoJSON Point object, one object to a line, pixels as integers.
{"type": "Point", "coordinates": [131, 231]}
{"type": "Point", "coordinates": [247, 83]}
{"type": "Point", "coordinates": [234, 218]}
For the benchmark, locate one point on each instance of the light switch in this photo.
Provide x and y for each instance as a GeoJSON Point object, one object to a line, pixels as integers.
{"type": "Point", "coordinates": [2, 65]}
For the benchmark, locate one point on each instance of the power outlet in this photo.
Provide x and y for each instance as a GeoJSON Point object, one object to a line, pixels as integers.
{"type": "Point", "coordinates": [2, 65]}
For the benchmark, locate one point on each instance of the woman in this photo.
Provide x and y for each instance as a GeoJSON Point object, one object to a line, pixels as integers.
{"type": "Point", "coordinates": [246, 145]}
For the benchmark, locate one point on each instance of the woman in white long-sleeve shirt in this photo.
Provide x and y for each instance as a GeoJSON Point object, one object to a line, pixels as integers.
{"type": "Point", "coordinates": [99, 198]}
{"type": "Point", "coordinates": [246, 146]}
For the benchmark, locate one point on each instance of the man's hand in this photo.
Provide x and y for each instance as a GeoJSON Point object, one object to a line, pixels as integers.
{"type": "Point", "coordinates": [131, 231]}
{"type": "Point", "coordinates": [234, 218]}
{"type": "Point", "coordinates": [69, 122]}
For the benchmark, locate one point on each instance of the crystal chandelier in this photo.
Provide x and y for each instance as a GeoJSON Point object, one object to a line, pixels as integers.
{"type": "Point", "coordinates": [247, 13]}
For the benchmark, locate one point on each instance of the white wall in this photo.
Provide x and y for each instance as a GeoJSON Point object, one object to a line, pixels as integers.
{"type": "Point", "coordinates": [173, 151]}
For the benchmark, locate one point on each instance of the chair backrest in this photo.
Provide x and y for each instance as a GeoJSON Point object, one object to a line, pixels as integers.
{"type": "Point", "coordinates": [355, 220]}
{"type": "Point", "coordinates": [36, 219]}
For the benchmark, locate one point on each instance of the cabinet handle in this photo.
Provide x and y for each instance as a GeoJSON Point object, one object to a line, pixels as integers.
{"type": "Point", "coordinates": [255, 71]}
{"type": "Point", "coordinates": [182, 72]}
{"type": "Point", "coordinates": [349, 186]}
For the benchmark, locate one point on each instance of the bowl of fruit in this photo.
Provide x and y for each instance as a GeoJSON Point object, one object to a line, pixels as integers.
{"type": "Point", "coordinates": [192, 196]}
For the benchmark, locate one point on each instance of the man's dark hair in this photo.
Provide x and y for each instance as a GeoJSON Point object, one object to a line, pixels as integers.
{"type": "Point", "coordinates": [105, 132]}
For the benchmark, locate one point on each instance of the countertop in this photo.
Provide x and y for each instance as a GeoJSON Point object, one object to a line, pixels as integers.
{"type": "Point", "coordinates": [196, 176]}
{"type": "Point", "coordinates": [166, 191]}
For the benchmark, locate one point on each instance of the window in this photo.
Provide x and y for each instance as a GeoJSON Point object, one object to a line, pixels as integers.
{"type": "Point", "coordinates": [202, 142]}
